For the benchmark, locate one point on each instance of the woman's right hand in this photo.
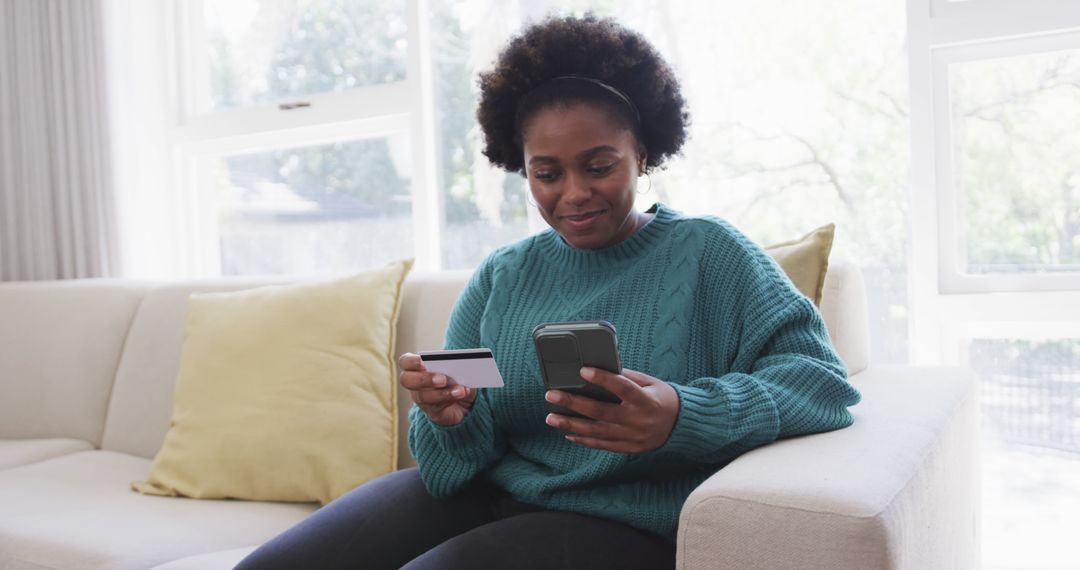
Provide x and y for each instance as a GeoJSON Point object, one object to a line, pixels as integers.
{"type": "Point", "coordinates": [445, 404]}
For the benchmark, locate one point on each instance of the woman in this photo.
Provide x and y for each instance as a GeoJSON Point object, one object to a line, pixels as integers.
{"type": "Point", "coordinates": [721, 352]}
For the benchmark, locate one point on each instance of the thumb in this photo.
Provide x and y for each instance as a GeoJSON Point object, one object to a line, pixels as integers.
{"type": "Point", "coordinates": [470, 394]}
{"type": "Point", "coordinates": [639, 378]}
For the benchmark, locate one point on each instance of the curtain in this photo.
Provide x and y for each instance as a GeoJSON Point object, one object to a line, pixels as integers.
{"type": "Point", "coordinates": [57, 218]}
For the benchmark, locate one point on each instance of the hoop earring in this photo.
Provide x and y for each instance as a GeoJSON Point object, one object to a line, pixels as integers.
{"type": "Point", "coordinates": [649, 178]}
{"type": "Point", "coordinates": [528, 201]}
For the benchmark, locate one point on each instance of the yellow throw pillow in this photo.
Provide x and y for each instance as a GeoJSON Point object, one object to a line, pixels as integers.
{"type": "Point", "coordinates": [806, 260]}
{"type": "Point", "coordinates": [285, 393]}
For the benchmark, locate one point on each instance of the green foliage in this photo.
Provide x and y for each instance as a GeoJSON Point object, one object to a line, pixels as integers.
{"type": "Point", "coordinates": [362, 168]}
{"type": "Point", "coordinates": [329, 45]}
{"type": "Point", "coordinates": [454, 104]}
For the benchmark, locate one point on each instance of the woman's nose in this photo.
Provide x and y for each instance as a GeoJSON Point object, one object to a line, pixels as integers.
{"type": "Point", "coordinates": [576, 189]}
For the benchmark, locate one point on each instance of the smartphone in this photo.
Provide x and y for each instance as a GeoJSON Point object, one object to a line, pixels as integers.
{"type": "Point", "coordinates": [563, 348]}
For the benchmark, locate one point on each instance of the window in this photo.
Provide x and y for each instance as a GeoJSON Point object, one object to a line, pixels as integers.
{"type": "Point", "coordinates": [1015, 166]}
{"type": "Point", "coordinates": [1030, 392]}
{"type": "Point", "coordinates": [312, 209]}
{"type": "Point", "coordinates": [296, 145]}
{"type": "Point", "coordinates": [1010, 188]}
{"type": "Point", "coordinates": [484, 208]}
{"type": "Point", "coordinates": [995, 281]}
{"type": "Point", "coordinates": [252, 52]}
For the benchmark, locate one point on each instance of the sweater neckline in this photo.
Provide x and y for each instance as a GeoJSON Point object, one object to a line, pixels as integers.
{"type": "Point", "coordinates": [562, 254]}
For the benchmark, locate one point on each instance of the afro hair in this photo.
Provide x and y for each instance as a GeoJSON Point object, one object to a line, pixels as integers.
{"type": "Point", "coordinates": [591, 47]}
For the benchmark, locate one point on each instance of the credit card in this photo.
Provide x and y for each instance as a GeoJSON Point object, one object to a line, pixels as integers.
{"type": "Point", "coordinates": [472, 367]}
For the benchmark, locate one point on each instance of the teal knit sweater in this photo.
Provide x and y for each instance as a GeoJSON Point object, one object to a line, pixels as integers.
{"type": "Point", "coordinates": [695, 304]}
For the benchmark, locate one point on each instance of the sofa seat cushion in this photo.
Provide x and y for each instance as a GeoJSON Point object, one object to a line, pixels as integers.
{"type": "Point", "coordinates": [223, 560]}
{"type": "Point", "coordinates": [77, 511]}
{"type": "Point", "coordinates": [16, 452]}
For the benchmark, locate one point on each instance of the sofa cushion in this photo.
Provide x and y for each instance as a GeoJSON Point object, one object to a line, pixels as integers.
{"type": "Point", "coordinates": [844, 310]}
{"type": "Point", "coordinates": [16, 452]}
{"type": "Point", "coordinates": [806, 260]}
{"type": "Point", "coordinates": [223, 560]}
{"type": "Point", "coordinates": [59, 345]}
{"type": "Point", "coordinates": [77, 511]}
{"type": "Point", "coordinates": [285, 393]}
{"type": "Point", "coordinates": [141, 401]}
{"type": "Point", "coordinates": [142, 398]}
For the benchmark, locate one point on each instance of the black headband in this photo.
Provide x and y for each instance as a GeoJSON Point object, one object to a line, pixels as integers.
{"type": "Point", "coordinates": [618, 94]}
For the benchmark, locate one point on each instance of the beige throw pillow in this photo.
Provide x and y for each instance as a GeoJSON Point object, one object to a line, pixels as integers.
{"type": "Point", "coordinates": [285, 393]}
{"type": "Point", "coordinates": [805, 260]}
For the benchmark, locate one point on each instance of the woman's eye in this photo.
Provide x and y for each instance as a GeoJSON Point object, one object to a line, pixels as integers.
{"type": "Point", "coordinates": [545, 175]}
{"type": "Point", "coordinates": [600, 168]}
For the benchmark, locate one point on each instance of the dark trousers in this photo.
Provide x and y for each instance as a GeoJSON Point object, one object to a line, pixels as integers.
{"type": "Point", "coordinates": [392, 522]}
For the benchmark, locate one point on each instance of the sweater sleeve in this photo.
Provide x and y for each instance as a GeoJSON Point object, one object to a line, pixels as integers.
{"type": "Point", "coordinates": [449, 457]}
{"type": "Point", "coordinates": [785, 378]}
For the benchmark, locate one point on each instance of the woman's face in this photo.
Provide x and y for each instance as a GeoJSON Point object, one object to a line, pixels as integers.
{"type": "Point", "coordinates": [582, 168]}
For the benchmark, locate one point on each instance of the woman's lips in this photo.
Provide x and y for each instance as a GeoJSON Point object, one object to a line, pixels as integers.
{"type": "Point", "coordinates": [583, 221]}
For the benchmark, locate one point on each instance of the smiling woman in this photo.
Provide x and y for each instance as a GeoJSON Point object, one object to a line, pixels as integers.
{"type": "Point", "coordinates": [721, 353]}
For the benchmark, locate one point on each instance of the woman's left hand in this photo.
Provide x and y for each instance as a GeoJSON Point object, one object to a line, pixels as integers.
{"type": "Point", "coordinates": [641, 422]}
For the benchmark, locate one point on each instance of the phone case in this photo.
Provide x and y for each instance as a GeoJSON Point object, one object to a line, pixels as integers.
{"type": "Point", "coordinates": [563, 348]}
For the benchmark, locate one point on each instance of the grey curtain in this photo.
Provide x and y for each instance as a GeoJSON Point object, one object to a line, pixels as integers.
{"type": "Point", "coordinates": [56, 205]}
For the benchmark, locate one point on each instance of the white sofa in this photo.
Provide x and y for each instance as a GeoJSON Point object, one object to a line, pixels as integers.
{"type": "Point", "coordinates": [87, 370]}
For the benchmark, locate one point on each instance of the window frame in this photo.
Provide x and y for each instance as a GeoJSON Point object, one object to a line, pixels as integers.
{"type": "Point", "coordinates": [952, 23]}
{"type": "Point", "coordinates": [952, 253]}
{"type": "Point", "coordinates": [943, 300]}
{"type": "Point", "coordinates": [358, 113]}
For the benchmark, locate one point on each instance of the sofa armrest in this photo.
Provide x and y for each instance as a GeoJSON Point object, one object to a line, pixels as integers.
{"type": "Point", "coordinates": [846, 315]}
{"type": "Point", "coordinates": [898, 489]}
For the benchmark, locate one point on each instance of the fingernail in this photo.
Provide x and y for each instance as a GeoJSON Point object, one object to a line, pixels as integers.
{"type": "Point", "coordinates": [439, 380]}
{"type": "Point", "coordinates": [588, 373]}
{"type": "Point", "coordinates": [458, 392]}
{"type": "Point", "coordinates": [552, 396]}
{"type": "Point", "coordinates": [550, 420]}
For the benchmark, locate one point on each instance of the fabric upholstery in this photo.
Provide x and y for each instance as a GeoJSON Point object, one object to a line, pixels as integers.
{"type": "Point", "coordinates": [285, 393]}
{"type": "Point", "coordinates": [221, 559]}
{"type": "Point", "coordinates": [77, 511]}
{"type": "Point", "coordinates": [141, 402]}
{"type": "Point", "coordinates": [59, 344]}
{"type": "Point", "coordinates": [844, 309]}
{"type": "Point", "coordinates": [15, 452]}
{"type": "Point", "coordinates": [898, 489]}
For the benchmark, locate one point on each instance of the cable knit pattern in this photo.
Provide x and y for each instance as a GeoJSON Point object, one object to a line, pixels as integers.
{"type": "Point", "coordinates": [696, 304]}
